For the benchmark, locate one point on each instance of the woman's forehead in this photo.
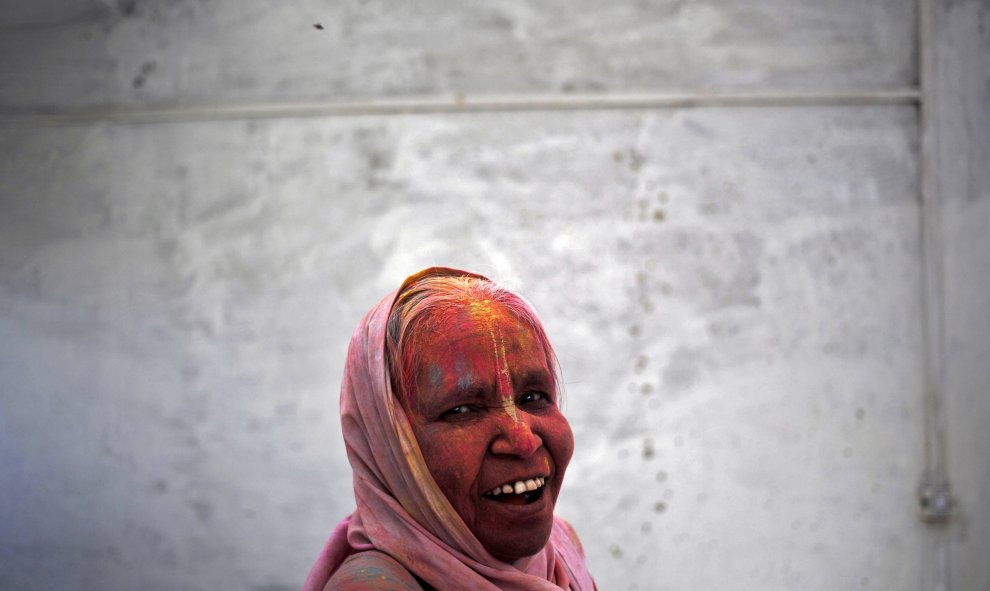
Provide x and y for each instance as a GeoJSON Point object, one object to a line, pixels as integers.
{"type": "Point", "coordinates": [474, 339]}
{"type": "Point", "coordinates": [474, 329]}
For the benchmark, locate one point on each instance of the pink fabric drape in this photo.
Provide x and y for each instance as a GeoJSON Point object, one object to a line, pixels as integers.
{"type": "Point", "coordinates": [400, 509]}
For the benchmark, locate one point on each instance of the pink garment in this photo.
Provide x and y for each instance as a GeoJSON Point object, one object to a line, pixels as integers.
{"type": "Point", "coordinates": [400, 509]}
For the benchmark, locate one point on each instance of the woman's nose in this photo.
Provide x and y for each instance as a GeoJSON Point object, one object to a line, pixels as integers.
{"type": "Point", "coordinates": [516, 438]}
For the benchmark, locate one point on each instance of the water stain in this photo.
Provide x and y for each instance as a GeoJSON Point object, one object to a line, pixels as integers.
{"type": "Point", "coordinates": [682, 370]}
{"type": "Point", "coordinates": [500, 21]}
{"type": "Point", "coordinates": [202, 509]}
{"type": "Point", "coordinates": [636, 160]}
{"type": "Point", "coordinates": [127, 7]}
{"type": "Point", "coordinates": [146, 69]}
{"type": "Point", "coordinates": [648, 450]}
{"type": "Point", "coordinates": [699, 129]}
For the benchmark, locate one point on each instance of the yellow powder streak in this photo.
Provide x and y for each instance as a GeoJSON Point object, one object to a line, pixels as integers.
{"type": "Point", "coordinates": [482, 311]}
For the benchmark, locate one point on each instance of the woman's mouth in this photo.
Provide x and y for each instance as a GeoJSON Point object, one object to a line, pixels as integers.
{"type": "Point", "coordinates": [519, 492]}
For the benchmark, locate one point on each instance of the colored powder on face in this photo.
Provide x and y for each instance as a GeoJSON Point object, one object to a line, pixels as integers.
{"type": "Point", "coordinates": [486, 314]}
{"type": "Point", "coordinates": [436, 376]}
{"type": "Point", "coordinates": [463, 372]}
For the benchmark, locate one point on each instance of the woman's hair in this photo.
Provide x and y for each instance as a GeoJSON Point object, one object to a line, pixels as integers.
{"type": "Point", "coordinates": [423, 305]}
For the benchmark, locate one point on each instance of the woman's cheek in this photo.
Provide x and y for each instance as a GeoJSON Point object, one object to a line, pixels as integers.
{"type": "Point", "coordinates": [450, 457]}
{"type": "Point", "coordinates": [562, 438]}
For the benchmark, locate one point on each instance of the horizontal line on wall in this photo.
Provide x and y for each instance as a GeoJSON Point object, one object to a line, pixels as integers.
{"type": "Point", "coordinates": [459, 103]}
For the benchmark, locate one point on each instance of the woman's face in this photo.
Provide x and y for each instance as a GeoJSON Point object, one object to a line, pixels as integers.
{"type": "Point", "coordinates": [484, 410]}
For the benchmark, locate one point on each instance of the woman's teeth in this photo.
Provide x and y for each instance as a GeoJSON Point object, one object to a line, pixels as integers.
{"type": "Point", "coordinates": [519, 486]}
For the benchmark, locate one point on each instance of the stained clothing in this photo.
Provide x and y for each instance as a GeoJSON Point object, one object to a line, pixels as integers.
{"type": "Point", "coordinates": [373, 569]}
{"type": "Point", "coordinates": [400, 509]}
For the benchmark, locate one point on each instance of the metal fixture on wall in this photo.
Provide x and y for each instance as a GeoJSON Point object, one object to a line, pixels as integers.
{"type": "Point", "coordinates": [460, 103]}
{"type": "Point", "coordinates": [934, 496]}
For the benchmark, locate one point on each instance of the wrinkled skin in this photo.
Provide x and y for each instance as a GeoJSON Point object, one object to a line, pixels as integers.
{"type": "Point", "coordinates": [483, 406]}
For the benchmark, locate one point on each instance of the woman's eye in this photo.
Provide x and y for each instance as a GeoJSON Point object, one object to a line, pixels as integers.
{"type": "Point", "coordinates": [460, 409]}
{"type": "Point", "coordinates": [534, 398]}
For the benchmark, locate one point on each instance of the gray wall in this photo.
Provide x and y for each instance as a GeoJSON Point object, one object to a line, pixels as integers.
{"type": "Point", "coordinates": [735, 289]}
{"type": "Point", "coordinates": [962, 162]}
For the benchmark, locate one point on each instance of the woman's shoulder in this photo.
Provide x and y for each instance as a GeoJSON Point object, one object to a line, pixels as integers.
{"type": "Point", "coordinates": [372, 569]}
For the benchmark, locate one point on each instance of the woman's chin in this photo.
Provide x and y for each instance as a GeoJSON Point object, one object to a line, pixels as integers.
{"type": "Point", "coordinates": [510, 531]}
{"type": "Point", "coordinates": [521, 546]}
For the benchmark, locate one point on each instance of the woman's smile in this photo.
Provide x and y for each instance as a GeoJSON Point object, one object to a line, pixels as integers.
{"type": "Point", "coordinates": [510, 491]}
{"type": "Point", "coordinates": [483, 406]}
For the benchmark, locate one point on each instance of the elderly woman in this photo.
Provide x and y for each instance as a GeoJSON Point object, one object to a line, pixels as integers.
{"type": "Point", "coordinates": [452, 427]}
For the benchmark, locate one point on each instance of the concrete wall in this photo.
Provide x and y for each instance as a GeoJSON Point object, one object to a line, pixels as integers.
{"type": "Point", "coordinates": [735, 292]}
{"type": "Point", "coordinates": [962, 154]}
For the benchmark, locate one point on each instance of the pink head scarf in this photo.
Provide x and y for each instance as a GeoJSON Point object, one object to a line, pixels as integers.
{"type": "Point", "coordinates": [400, 509]}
